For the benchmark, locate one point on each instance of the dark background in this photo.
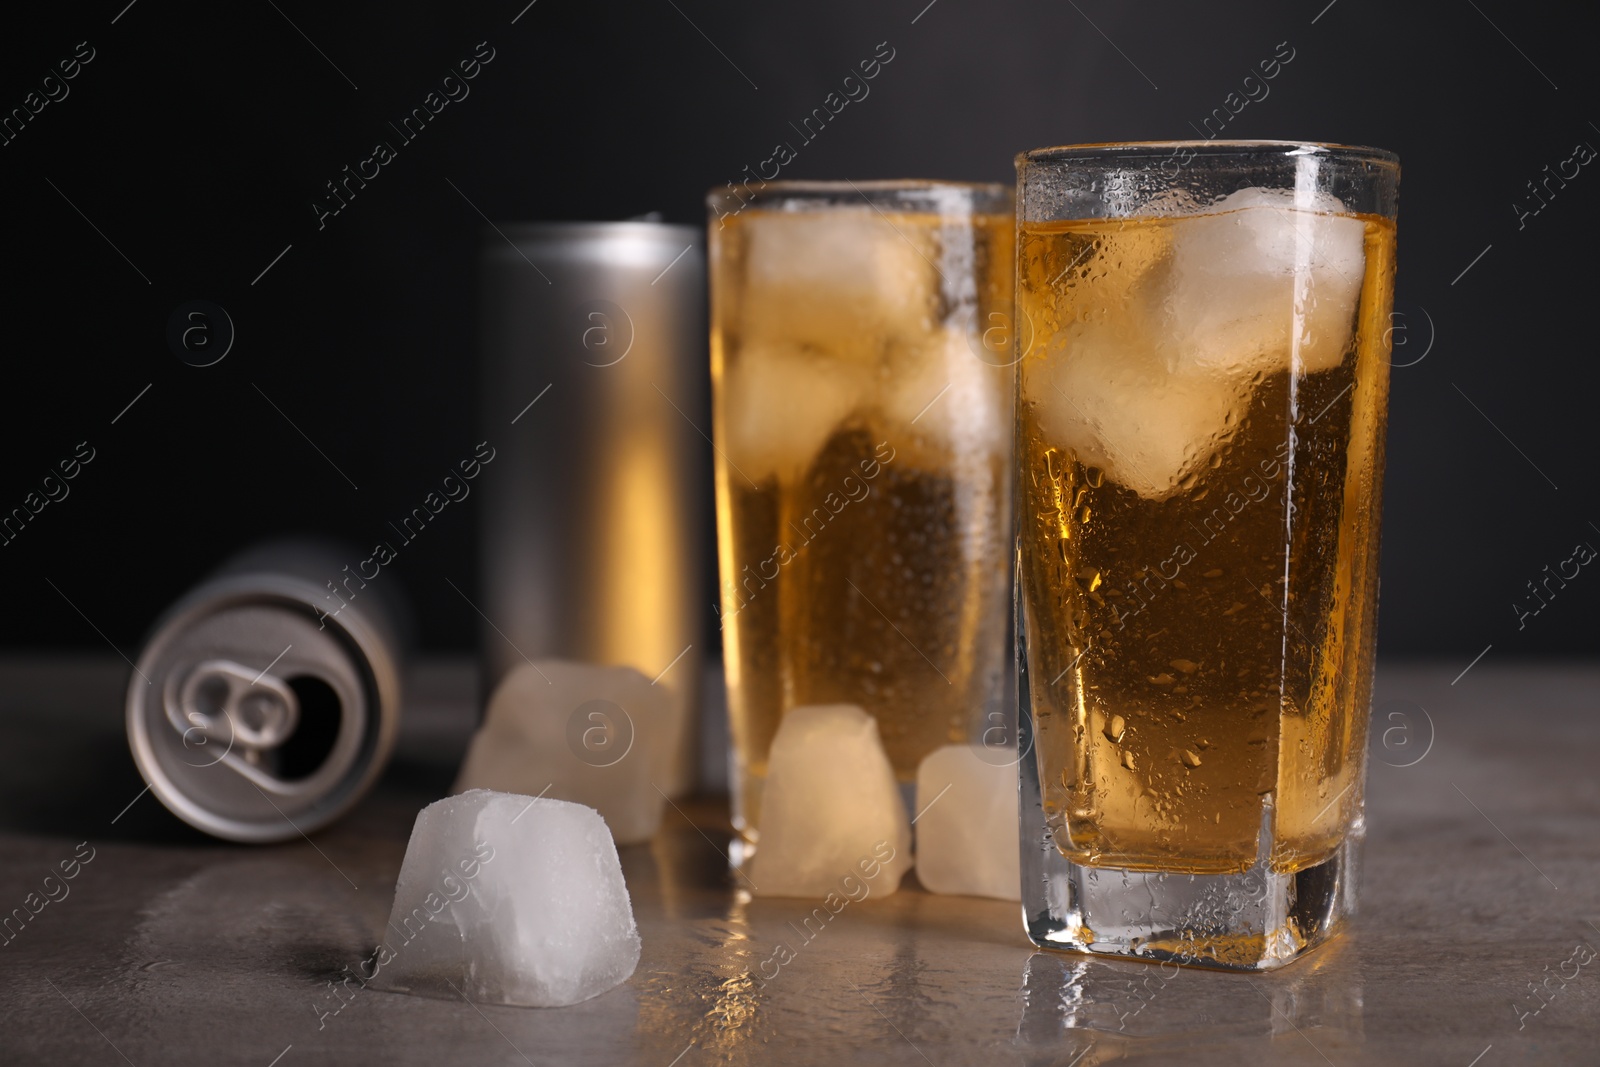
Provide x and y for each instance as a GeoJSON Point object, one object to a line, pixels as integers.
{"type": "Point", "coordinates": [199, 135]}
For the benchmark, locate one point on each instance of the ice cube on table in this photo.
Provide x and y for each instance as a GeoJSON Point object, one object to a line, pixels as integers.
{"type": "Point", "coordinates": [509, 899]}
{"type": "Point", "coordinates": [1108, 397]}
{"type": "Point", "coordinates": [831, 809]}
{"type": "Point", "coordinates": [780, 404]}
{"type": "Point", "coordinates": [600, 736]}
{"type": "Point", "coordinates": [839, 280]}
{"type": "Point", "coordinates": [967, 823]}
{"type": "Point", "coordinates": [1267, 280]}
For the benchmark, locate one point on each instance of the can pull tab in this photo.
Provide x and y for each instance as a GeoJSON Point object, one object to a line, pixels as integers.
{"type": "Point", "coordinates": [228, 703]}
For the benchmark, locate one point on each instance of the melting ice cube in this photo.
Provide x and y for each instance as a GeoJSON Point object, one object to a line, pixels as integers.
{"type": "Point", "coordinates": [945, 394]}
{"type": "Point", "coordinates": [831, 809]}
{"type": "Point", "coordinates": [1266, 280]}
{"type": "Point", "coordinates": [1111, 400]}
{"type": "Point", "coordinates": [781, 404]}
{"type": "Point", "coordinates": [600, 736]}
{"type": "Point", "coordinates": [967, 824]}
{"type": "Point", "coordinates": [840, 280]}
{"type": "Point", "coordinates": [509, 899]}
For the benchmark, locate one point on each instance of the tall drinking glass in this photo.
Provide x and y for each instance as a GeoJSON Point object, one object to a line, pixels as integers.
{"type": "Point", "coordinates": [862, 379]}
{"type": "Point", "coordinates": [1200, 423]}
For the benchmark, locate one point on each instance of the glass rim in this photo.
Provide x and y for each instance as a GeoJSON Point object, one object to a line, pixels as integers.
{"type": "Point", "coordinates": [802, 188]}
{"type": "Point", "coordinates": [1113, 150]}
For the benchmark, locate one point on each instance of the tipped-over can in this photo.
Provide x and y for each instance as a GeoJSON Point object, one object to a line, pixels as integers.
{"type": "Point", "coordinates": [263, 706]}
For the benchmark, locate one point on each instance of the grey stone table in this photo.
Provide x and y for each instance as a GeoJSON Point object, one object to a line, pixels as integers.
{"type": "Point", "coordinates": [1481, 894]}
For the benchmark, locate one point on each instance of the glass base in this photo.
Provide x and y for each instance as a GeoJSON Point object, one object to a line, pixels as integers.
{"type": "Point", "coordinates": [1254, 920]}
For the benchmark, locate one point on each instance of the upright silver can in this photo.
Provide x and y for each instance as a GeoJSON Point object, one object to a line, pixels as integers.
{"type": "Point", "coordinates": [595, 519]}
{"type": "Point", "coordinates": [266, 700]}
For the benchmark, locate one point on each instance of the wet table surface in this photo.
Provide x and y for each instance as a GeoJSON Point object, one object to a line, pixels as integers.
{"type": "Point", "coordinates": [1479, 898]}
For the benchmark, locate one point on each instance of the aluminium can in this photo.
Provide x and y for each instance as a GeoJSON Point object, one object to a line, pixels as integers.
{"type": "Point", "coordinates": [595, 521]}
{"type": "Point", "coordinates": [266, 700]}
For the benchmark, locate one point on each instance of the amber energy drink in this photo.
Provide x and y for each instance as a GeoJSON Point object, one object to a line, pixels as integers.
{"type": "Point", "coordinates": [265, 703]}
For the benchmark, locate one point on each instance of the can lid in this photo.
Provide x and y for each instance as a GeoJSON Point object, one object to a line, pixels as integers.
{"type": "Point", "coordinates": [638, 246]}
{"type": "Point", "coordinates": [255, 718]}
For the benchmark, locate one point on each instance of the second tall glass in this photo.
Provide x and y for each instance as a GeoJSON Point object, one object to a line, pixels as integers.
{"type": "Point", "coordinates": [862, 386]}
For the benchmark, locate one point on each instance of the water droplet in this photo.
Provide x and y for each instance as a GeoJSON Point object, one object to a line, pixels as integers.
{"type": "Point", "coordinates": [1187, 666]}
{"type": "Point", "coordinates": [1190, 759]}
{"type": "Point", "coordinates": [1115, 726]}
{"type": "Point", "coordinates": [1094, 476]}
{"type": "Point", "coordinates": [1127, 759]}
